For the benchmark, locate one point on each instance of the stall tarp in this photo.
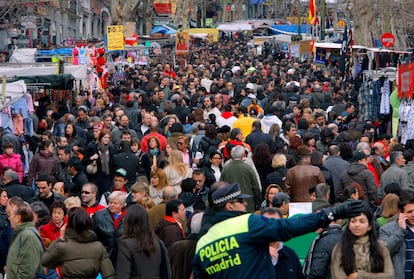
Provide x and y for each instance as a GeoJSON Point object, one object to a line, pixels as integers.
{"type": "Point", "coordinates": [328, 45]}
{"type": "Point", "coordinates": [14, 91]}
{"type": "Point", "coordinates": [235, 27]}
{"type": "Point", "coordinates": [57, 82]}
{"type": "Point", "coordinates": [259, 40]}
{"type": "Point", "coordinates": [57, 51]}
{"type": "Point", "coordinates": [23, 55]}
{"type": "Point", "coordinates": [78, 71]}
{"type": "Point", "coordinates": [289, 29]}
{"type": "Point", "coordinates": [203, 32]}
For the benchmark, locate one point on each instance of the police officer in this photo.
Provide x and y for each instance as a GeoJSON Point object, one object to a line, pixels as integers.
{"type": "Point", "coordinates": [237, 245]}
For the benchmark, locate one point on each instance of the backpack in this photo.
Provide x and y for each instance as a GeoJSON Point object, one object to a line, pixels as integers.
{"type": "Point", "coordinates": [226, 150]}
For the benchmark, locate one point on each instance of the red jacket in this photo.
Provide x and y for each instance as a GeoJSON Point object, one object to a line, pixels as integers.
{"type": "Point", "coordinates": [92, 209]}
{"type": "Point", "coordinates": [161, 139]}
{"type": "Point", "coordinates": [14, 162]}
{"type": "Point", "coordinates": [50, 232]}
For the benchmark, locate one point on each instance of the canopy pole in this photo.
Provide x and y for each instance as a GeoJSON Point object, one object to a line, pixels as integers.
{"type": "Point", "coordinates": [3, 89]}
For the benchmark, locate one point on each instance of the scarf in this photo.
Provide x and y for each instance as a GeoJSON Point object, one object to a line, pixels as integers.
{"type": "Point", "coordinates": [362, 254]}
{"type": "Point", "coordinates": [104, 155]}
{"type": "Point", "coordinates": [172, 220]}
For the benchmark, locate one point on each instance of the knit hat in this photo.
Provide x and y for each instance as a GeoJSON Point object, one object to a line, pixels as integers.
{"type": "Point", "coordinates": [228, 193]}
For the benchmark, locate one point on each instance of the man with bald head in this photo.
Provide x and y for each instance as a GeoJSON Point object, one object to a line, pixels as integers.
{"type": "Point", "coordinates": [158, 212]}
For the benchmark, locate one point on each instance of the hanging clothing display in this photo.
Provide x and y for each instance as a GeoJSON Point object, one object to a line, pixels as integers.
{"type": "Point", "coordinates": [385, 98]}
{"type": "Point", "coordinates": [374, 99]}
{"type": "Point", "coordinates": [406, 128]}
{"type": "Point", "coordinates": [374, 94]}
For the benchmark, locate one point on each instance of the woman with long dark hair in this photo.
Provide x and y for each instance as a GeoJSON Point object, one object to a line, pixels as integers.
{"type": "Point", "coordinates": [360, 254]}
{"type": "Point", "coordinates": [101, 150]}
{"type": "Point", "coordinates": [140, 253]}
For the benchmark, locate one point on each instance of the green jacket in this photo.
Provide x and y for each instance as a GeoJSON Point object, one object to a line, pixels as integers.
{"type": "Point", "coordinates": [25, 252]}
{"type": "Point", "coordinates": [238, 171]}
{"type": "Point", "coordinates": [79, 256]}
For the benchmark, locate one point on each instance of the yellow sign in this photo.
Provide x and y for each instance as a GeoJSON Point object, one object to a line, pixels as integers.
{"type": "Point", "coordinates": [115, 37]}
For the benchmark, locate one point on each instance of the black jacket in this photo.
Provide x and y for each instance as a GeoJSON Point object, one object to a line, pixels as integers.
{"type": "Point", "coordinates": [133, 263]}
{"type": "Point", "coordinates": [360, 174]}
{"type": "Point", "coordinates": [129, 162]}
{"type": "Point", "coordinates": [257, 137]}
{"type": "Point", "coordinates": [107, 233]}
{"type": "Point", "coordinates": [318, 260]}
{"type": "Point", "coordinates": [14, 188]}
{"type": "Point", "coordinates": [78, 180]}
{"type": "Point", "coordinates": [207, 146]}
{"type": "Point", "coordinates": [277, 176]}
{"type": "Point", "coordinates": [288, 265]}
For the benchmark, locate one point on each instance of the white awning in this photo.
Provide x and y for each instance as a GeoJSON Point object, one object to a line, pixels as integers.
{"type": "Point", "coordinates": [328, 45]}
{"type": "Point", "coordinates": [234, 27]}
{"type": "Point", "coordinates": [78, 71]}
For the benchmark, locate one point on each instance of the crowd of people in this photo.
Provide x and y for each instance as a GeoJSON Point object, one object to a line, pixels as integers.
{"type": "Point", "coordinates": [189, 171]}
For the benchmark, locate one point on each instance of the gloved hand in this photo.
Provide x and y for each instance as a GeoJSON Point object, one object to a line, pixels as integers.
{"type": "Point", "coordinates": [347, 209]}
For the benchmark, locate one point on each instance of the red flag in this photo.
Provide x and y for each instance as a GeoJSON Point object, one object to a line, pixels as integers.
{"type": "Point", "coordinates": [312, 19]}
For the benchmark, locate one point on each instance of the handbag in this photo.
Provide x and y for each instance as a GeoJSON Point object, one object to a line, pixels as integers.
{"type": "Point", "coordinates": [92, 168]}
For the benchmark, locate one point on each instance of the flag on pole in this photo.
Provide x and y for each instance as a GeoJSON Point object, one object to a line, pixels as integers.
{"type": "Point", "coordinates": [312, 18]}
{"type": "Point", "coordinates": [347, 42]}
{"type": "Point", "coordinates": [343, 51]}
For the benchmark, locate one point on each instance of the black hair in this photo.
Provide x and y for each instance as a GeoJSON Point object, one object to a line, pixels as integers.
{"type": "Point", "coordinates": [137, 225]}
{"type": "Point", "coordinates": [172, 206]}
{"type": "Point", "coordinates": [348, 241]}
{"type": "Point", "coordinates": [79, 220]}
{"type": "Point", "coordinates": [66, 149]}
{"type": "Point", "coordinates": [43, 177]}
{"type": "Point", "coordinates": [58, 204]}
{"type": "Point", "coordinates": [75, 163]}
{"type": "Point", "coordinates": [406, 197]}
{"type": "Point", "coordinates": [188, 185]}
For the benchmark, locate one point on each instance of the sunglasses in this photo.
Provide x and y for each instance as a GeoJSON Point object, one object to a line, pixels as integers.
{"type": "Point", "coordinates": [85, 192]}
{"type": "Point", "coordinates": [179, 143]}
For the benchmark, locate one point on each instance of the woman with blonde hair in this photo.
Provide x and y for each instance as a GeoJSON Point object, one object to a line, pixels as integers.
{"type": "Point", "coordinates": [177, 170]}
{"type": "Point", "coordinates": [158, 182]}
{"type": "Point", "coordinates": [147, 203]}
{"type": "Point", "coordinates": [271, 191]}
{"type": "Point", "coordinates": [278, 175]}
{"type": "Point", "coordinates": [389, 208]}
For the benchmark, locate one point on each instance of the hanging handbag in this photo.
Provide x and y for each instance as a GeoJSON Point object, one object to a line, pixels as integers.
{"type": "Point", "coordinates": [92, 168]}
